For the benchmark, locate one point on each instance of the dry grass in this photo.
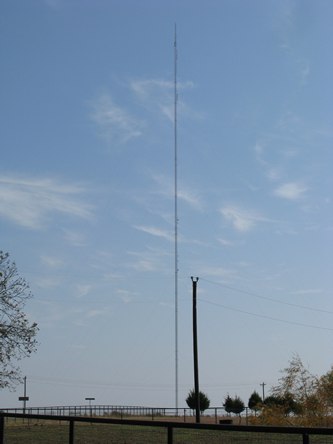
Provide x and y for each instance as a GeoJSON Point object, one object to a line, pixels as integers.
{"type": "Point", "coordinates": [51, 432]}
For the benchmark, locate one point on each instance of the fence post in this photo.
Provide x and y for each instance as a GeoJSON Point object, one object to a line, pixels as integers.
{"type": "Point", "coordinates": [170, 435]}
{"type": "Point", "coordinates": [306, 439]}
{"type": "Point", "coordinates": [71, 432]}
{"type": "Point", "coordinates": [2, 429]}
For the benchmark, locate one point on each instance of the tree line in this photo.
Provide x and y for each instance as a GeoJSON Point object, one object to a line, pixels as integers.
{"type": "Point", "coordinates": [230, 405]}
{"type": "Point", "coordinates": [299, 398]}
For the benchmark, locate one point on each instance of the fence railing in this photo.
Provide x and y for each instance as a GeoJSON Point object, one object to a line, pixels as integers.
{"type": "Point", "coordinates": [96, 410]}
{"type": "Point", "coordinates": [121, 411]}
{"type": "Point", "coordinates": [304, 432]}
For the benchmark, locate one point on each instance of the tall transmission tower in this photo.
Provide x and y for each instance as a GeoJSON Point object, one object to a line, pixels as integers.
{"type": "Point", "coordinates": [176, 215]}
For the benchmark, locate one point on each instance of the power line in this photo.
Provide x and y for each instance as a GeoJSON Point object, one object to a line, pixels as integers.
{"type": "Point", "coordinates": [277, 301]}
{"type": "Point", "coordinates": [300, 324]}
{"type": "Point", "coordinates": [123, 387]}
{"type": "Point", "coordinates": [38, 379]}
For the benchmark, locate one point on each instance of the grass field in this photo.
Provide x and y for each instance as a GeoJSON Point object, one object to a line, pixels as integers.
{"type": "Point", "coordinates": [85, 433]}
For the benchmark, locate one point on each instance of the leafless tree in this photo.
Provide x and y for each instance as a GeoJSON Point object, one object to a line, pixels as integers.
{"type": "Point", "coordinates": [17, 333]}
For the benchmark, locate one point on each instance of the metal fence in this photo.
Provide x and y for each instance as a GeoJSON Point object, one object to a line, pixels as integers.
{"type": "Point", "coordinates": [215, 413]}
{"type": "Point", "coordinates": [172, 432]}
{"type": "Point", "coordinates": [96, 410]}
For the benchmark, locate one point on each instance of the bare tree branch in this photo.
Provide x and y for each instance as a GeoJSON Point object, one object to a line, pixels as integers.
{"type": "Point", "coordinates": [17, 334]}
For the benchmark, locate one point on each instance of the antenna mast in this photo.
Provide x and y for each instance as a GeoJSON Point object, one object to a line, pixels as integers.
{"type": "Point", "coordinates": [176, 216]}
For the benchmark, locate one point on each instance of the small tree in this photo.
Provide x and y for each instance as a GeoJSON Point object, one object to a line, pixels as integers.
{"type": "Point", "coordinates": [321, 402]}
{"type": "Point", "coordinates": [238, 406]}
{"type": "Point", "coordinates": [297, 382]}
{"type": "Point", "coordinates": [295, 399]}
{"type": "Point", "coordinates": [273, 401]}
{"type": "Point", "coordinates": [255, 402]}
{"type": "Point", "coordinates": [325, 388]}
{"type": "Point", "coordinates": [17, 334]}
{"type": "Point", "coordinates": [233, 405]}
{"type": "Point", "coordinates": [228, 404]}
{"type": "Point", "coordinates": [297, 391]}
{"type": "Point", "coordinates": [204, 401]}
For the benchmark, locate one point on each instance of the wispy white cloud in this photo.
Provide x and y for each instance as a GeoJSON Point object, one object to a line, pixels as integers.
{"type": "Point", "coordinates": [119, 126]}
{"type": "Point", "coordinates": [289, 122]}
{"type": "Point", "coordinates": [54, 4]}
{"type": "Point", "coordinates": [75, 238]}
{"type": "Point", "coordinates": [307, 291]}
{"type": "Point", "coordinates": [93, 313]}
{"type": "Point", "coordinates": [259, 149]}
{"type": "Point", "coordinates": [30, 202]}
{"type": "Point", "coordinates": [148, 260]}
{"type": "Point", "coordinates": [54, 312]}
{"type": "Point", "coordinates": [305, 72]}
{"type": "Point", "coordinates": [291, 190]}
{"type": "Point", "coordinates": [155, 231]}
{"type": "Point", "coordinates": [82, 315]}
{"type": "Point", "coordinates": [83, 289]}
{"type": "Point", "coordinates": [273, 173]}
{"type": "Point", "coordinates": [274, 160]}
{"type": "Point", "coordinates": [285, 22]}
{"type": "Point", "coordinates": [126, 296]}
{"type": "Point", "coordinates": [144, 265]}
{"type": "Point", "coordinates": [166, 189]}
{"type": "Point", "coordinates": [219, 272]}
{"type": "Point", "coordinates": [46, 282]}
{"type": "Point", "coordinates": [225, 242]}
{"type": "Point", "coordinates": [52, 262]}
{"type": "Point", "coordinates": [279, 152]}
{"type": "Point", "coordinates": [145, 88]}
{"type": "Point", "coordinates": [190, 198]}
{"type": "Point", "coordinates": [112, 276]}
{"type": "Point", "coordinates": [115, 123]}
{"type": "Point", "coordinates": [158, 94]}
{"type": "Point", "coordinates": [241, 219]}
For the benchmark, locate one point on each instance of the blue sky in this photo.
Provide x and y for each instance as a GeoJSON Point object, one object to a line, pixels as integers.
{"type": "Point", "coordinates": [87, 199]}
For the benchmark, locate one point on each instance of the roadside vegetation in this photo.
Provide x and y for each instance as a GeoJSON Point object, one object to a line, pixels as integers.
{"type": "Point", "coordinates": [300, 398]}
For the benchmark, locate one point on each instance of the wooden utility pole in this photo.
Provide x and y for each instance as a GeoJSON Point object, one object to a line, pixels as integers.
{"type": "Point", "coordinates": [263, 391]}
{"type": "Point", "coordinates": [195, 351]}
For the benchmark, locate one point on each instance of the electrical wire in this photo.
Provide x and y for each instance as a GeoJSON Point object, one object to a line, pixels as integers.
{"type": "Point", "coordinates": [300, 324]}
{"type": "Point", "coordinates": [277, 301]}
